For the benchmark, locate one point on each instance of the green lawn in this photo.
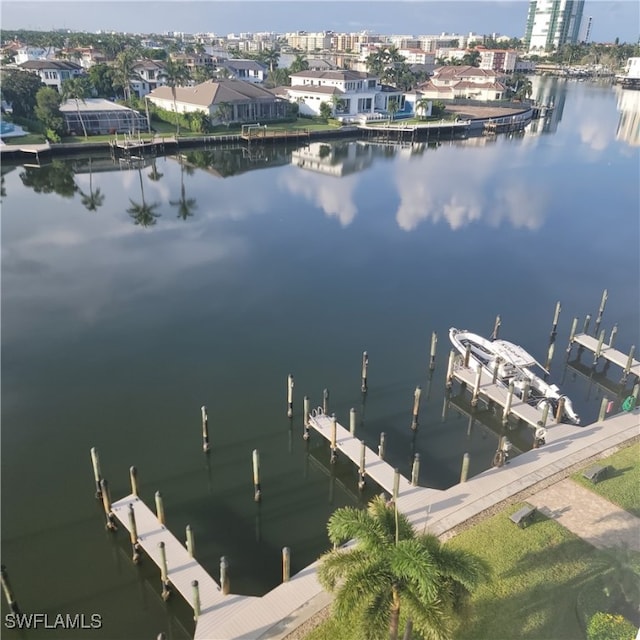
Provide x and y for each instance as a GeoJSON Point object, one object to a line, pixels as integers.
{"type": "Point", "coordinates": [30, 138]}
{"type": "Point", "coordinates": [622, 485]}
{"type": "Point", "coordinates": [545, 582]}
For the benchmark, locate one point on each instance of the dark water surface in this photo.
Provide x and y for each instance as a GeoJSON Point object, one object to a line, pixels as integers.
{"type": "Point", "coordinates": [114, 334]}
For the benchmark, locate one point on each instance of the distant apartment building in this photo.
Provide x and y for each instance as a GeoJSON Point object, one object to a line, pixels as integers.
{"type": "Point", "coordinates": [417, 56]}
{"type": "Point", "coordinates": [501, 60]}
{"type": "Point", "coordinates": [404, 42]}
{"type": "Point", "coordinates": [352, 41]}
{"type": "Point", "coordinates": [552, 24]}
{"type": "Point", "coordinates": [309, 41]}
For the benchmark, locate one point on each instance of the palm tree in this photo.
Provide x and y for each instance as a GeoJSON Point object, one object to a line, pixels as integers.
{"type": "Point", "coordinates": [76, 89]}
{"type": "Point", "coordinates": [299, 64]}
{"type": "Point", "coordinates": [393, 107]}
{"type": "Point", "coordinates": [271, 58]}
{"type": "Point", "coordinates": [94, 199]}
{"type": "Point", "coordinates": [422, 107]}
{"type": "Point", "coordinates": [123, 72]}
{"type": "Point", "coordinates": [224, 112]}
{"type": "Point", "coordinates": [177, 75]}
{"type": "Point", "coordinates": [185, 205]}
{"type": "Point", "coordinates": [142, 213]}
{"type": "Point", "coordinates": [391, 569]}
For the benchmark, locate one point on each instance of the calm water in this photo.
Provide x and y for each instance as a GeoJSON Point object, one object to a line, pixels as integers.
{"type": "Point", "coordinates": [114, 334]}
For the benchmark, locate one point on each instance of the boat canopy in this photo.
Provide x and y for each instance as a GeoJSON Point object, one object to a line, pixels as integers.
{"type": "Point", "coordinates": [513, 353]}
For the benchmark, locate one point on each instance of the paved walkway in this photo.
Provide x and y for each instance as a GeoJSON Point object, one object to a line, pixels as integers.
{"type": "Point", "coordinates": [588, 515]}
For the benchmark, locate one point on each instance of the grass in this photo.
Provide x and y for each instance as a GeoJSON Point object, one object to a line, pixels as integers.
{"type": "Point", "coordinates": [542, 577]}
{"type": "Point", "coordinates": [30, 138]}
{"type": "Point", "coordinates": [621, 486]}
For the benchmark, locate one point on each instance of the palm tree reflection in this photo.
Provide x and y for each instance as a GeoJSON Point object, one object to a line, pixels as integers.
{"type": "Point", "coordinates": [94, 199]}
{"type": "Point", "coordinates": [185, 205]}
{"type": "Point", "coordinates": [142, 213]}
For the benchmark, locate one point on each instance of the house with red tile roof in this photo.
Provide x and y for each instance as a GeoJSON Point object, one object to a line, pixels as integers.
{"type": "Point", "coordinates": [448, 83]}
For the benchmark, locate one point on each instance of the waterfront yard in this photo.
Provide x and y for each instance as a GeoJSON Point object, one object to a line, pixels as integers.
{"type": "Point", "coordinates": [622, 481]}
{"type": "Point", "coordinates": [546, 583]}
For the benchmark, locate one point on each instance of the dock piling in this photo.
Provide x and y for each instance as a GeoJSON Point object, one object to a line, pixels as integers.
{"type": "Point", "coordinates": [224, 576]}
{"type": "Point", "coordinates": [133, 476]}
{"type": "Point", "coordinates": [286, 564]}
{"type": "Point", "coordinates": [191, 547]}
{"type": "Point", "coordinates": [257, 493]}
{"type": "Point", "coordinates": [334, 430]}
{"type": "Point", "coordinates": [496, 369]}
{"type": "Point", "coordinates": [572, 334]}
{"type": "Point", "coordinates": [556, 316]}
{"type": "Point", "coordinates": [325, 401]}
{"type": "Point", "coordinates": [432, 353]}
{"type": "Point", "coordinates": [464, 472]}
{"type": "Point", "coordinates": [467, 355]}
{"type": "Point", "coordinates": [603, 302]}
{"type": "Point", "coordinates": [133, 535]}
{"type": "Point", "coordinates": [496, 328]}
{"type": "Point", "coordinates": [160, 508]}
{"type": "Point", "coordinates": [416, 407]}
{"type": "Point", "coordinates": [8, 591]}
{"type": "Point", "coordinates": [306, 403]}
{"type": "Point", "coordinates": [396, 485]}
{"type": "Point", "coordinates": [450, 365]}
{"type": "Point", "coordinates": [205, 429]}
{"type": "Point", "coordinates": [352, 421]}
{"type": "Point", "coordinates": [381, 445]}
{"type": "Point", "coordinates": [598, 351]}
{"type": "Point", "coordinates": [545, 415]}
{"type": "Point", "coordinates": [196, 599]}
{"type": "Point", "coordinates": [361, 469]}
{"type": "Point", "coordinates": [627, 368]}
{"type": "Point", "coordinates": [365, 365]}
{"type": "Point", "coordinates": [289, 396]}
{"type": "Point", "coordinates": [603, 409]}
{"type": "Point", "coordinates": [507, 406]}
{"type": "Point", "coordinates": [476, 386]}
{"type": "Point", "coordinates": [164, 574]}
{"type": "Point", "coordinates": [415, 470]}
{"type": "Point", "coordinates": [97, 474]}
{"type": "Point", "coordinates": [612, 336]}
{"type": "Point", "coordinates": [560, 410]}
{"type": "Point", "coordinates": [106, 503]}
{"type": "Point", "coordinates": [585, 326]}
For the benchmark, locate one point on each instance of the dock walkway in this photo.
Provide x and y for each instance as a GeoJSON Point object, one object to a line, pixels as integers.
{"type": "Point", "coordinates": [608, 353]}
{"type": "Point", "coordinates": [498, 393]}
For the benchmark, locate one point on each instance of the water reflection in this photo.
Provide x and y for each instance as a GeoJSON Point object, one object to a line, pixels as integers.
{"type": "Point", "coordinates": [143, 213]}
{"type": "Point", "coordinates": [629, 124]}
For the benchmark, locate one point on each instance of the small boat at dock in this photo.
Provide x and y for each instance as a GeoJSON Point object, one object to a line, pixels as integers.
{"type": "Point", "coordinates": [512, 364]}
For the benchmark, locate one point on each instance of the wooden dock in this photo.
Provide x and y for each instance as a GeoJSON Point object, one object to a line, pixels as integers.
{"type": "Point", "coordinates": [498, 393]}
{"type": "Point", "coordinates": [375, 467]}
{"type": "Point", "coordinates": [182, 569]}
{"type": "Point", "coordinates": [608, 353]}
{"type": "Point", "coordinates": [263, 134]}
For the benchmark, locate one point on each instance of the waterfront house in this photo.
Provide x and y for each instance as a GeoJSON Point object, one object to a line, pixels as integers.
{"type": "Point", "coordinates": [147, 75]}
{"type": "Point", "coordinates": [450, 82]}
{"type": "Point", "coordinates": [53, 72]}
{"type": "Point", "coordinates": [351, 94]}
{"type": "Point", "coordinates": [228, 101]}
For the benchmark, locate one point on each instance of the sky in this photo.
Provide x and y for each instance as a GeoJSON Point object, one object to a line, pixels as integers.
{"type": "Point", "coordinates": [611, 19]}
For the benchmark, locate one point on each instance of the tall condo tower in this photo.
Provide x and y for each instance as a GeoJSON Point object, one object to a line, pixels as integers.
{"type": "Point", "coordinates": [553, 23]}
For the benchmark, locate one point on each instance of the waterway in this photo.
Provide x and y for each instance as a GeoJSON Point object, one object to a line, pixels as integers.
{"type": "Point", "coordinates": [132, 295]}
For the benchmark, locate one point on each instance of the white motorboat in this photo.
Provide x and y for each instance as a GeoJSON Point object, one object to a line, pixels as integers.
{"type": "Point", "coordinates": [515, 365]}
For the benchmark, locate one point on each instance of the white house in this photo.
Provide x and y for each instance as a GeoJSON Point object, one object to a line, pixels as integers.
{"type": "Point", "coordinates": [53, 72]}
{"type": "Point", "coordinates": [23, 54]}
{"type": "Point", "coordinates": [350, 93]}
{"type": "Point", "coordinates": [147, 75]}
{"type": "Point", "coordinates": [463, 82]}
{"type": "Point", "coordinates": [247, 70]}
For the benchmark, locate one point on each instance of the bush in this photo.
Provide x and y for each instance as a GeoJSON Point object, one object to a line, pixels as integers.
{"type": "Point", "coordinates": [52, 136]}
{"type": "Point", "coordinates": [607, 626]}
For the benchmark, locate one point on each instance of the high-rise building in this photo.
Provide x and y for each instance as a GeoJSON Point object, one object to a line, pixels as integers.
{"type": "Point", "coordinates": [553, 23]}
